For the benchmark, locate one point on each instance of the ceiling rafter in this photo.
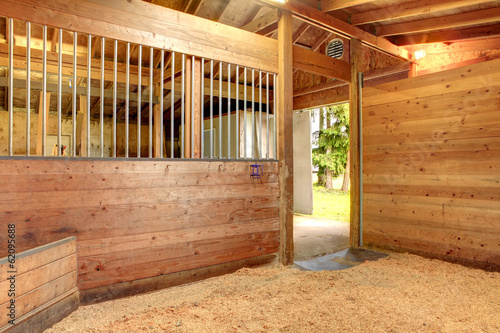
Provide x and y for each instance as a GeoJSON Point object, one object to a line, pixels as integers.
{"type": "Point", "coordinates": [330, 23]}
{"type": "Point", "coordinates": [192, 6]}
{"type": "Point", "coordinates": [299, 33]}
{"type": "Point", "coordinates": [484, 16]}
{"type": "Point", "coordinates": [451, 35]}
{"type": "Point", "coordinates": [331, 5]}
{"type": "Point", "coordinates": [214, 11]}
{"type": "Point", "coordinates": [262, 22]}
{"type": "Point", "coordinates": [410, 9]}
{"type": "Point", "coordinates": [467, 46]}
{"type": "Point", "coordinates": [253, 14]}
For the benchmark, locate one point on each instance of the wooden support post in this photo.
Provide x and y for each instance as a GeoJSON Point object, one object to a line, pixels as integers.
{"type": "Point", "coordinates": [81, 126]}
{"type": "Point", "coordinates": [187, 108]}
{"type": "Point", "coordinates": [413, 70]}
{"type": "Point", "coordinates": [356, 64]}
{"type": "Point", "coordinates": [39, 138]}
{"type": "Point", "coordinates": [157, 131]}
{"type": "Point", "coordinates": [285, 136]}
{"type": "Point", "coordinates": [198, 113]}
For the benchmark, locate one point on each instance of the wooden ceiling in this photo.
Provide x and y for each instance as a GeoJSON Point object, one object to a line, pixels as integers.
{"type": "Point", "coordinates": [402, 22]}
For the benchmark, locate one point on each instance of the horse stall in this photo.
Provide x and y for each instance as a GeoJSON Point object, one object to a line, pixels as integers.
{"type": "Point", "coordinates": [154, 146]}
{"type": "Point", "coordinates": [150, 143]}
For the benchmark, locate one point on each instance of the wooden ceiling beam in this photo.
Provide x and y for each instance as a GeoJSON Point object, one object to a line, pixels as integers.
{"type": "Point", "coordinates": [451, 35]}
{"type": "Point", "coordinates": [262, 22]}
{"type": "Point", "coordinates": [192, 7]}
{"type": "Point", "coordinates": [253, 14]}
{"type": "Point", "coordinates": [300, 32]}
{"type": "Point", "coordinates": [331, 5]}
{"type": "Point", "coordinates": [320, 64]}
{"type": "Point", "coordinates": [269, 30]}
{"type": "Point", "coordinates": [410, 9]}
{"type": "Point", "coordinates": [484, 16]}
{"type": "Point", "coordinates": [212, 10]}
{"type": "Point", "coordinates": [368, 76]}
{"type": "Point", "coordinates": [322, 98]}
{"type": "Point", "coordinates": [324, 37]}
{"type": "Point", "coordinates": [327, 22]}
{"type": "Point", "coordinates": [474, 45]}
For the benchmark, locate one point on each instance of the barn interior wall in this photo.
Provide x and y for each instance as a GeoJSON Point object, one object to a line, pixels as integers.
{"type": "Point", "coordinates": [19, 135]}
{"type": "Point", "coordinates": [431, 151]}
{"type": "Point", "coordinates": [140, 219]}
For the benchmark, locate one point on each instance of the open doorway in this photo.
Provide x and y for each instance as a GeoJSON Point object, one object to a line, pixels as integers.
{"type": "Point", "coordinates": [322, 201]}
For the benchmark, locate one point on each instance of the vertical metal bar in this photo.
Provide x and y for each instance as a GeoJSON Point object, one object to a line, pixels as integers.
{"type": "Point", "coordinates": [275, 89]}
{"type": "Point", "coordinates": [267, 115]}
{"type": "Point", "coordinates": [237, 143]}
{"type": "Point", "coordinates": [172, 106]}
{"type": "Point", "coordinates": [101, 115]}
{"type": "Point", "coordinates": [73, 85]}
{"type": "Point", "coordinates": [162, 69]}
{"type": "Point", "coordinates": [127, 99]}
{"type": "Point", "coordinates": [202, 100]}
{"type": "Point", "coordinates": [44, 92]}
{"type": "Point", "coordinates": [260, 114]}
{"type": "Point", "coordinates": [211, 108]}
{"type": "Point", "coordinates": [245, 115]}
{"type": "Point", "coordinates": [360, 124]}
{"type": "Point", "coordinates": [89, 79]}
{"type": "Point", "coordinates": [139, 102]}
{"type": "Point", "coordinates": [151, 90]}
{"type": "Point", "coordinates": [183, 82]}
{"type": "Point", "coordinates": [253, 113]}
{"type": "Point", "coordinates": [59, 92]}
{"type": "Point", "coordinates": [228, 110]}
{"type": "Point", "coordinates": [28, 87]}
{"type": "Point", "coordinates": [220, 109]}
{"type": "Point", "coordinates": [192, 106]}
{"type": "Point", "coordinates": [115, 62]}
{"type": "Point", "coordinates": [11, 83]}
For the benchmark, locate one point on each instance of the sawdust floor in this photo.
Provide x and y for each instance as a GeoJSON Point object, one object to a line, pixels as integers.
{"type": "Point", "coordinates": [401, 293]}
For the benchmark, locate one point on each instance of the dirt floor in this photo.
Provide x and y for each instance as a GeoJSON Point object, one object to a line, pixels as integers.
{"type": "Point", "coordinates": [401, 293]}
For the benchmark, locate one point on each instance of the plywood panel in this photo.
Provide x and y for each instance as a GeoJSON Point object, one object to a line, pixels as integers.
{"type": "Point", "coordinates": [431, 151]}
{"type": "Point", "coordinates": [139, 219]}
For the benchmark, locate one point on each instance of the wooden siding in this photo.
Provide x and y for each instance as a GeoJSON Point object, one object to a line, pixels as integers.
{"type": "Point", "coordinates": [431, 163]}
{"type": "Point", "coordinates": [44, 276]}
{"type": "Point", "coordinates": [139, 219]}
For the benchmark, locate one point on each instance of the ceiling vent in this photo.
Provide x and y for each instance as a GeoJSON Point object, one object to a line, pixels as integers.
{"type": "Point", "coordinates": [335, 49]}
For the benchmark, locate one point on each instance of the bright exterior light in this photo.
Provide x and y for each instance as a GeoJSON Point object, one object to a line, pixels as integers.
{"type": "Point", "coordinates": [420, 54]}
{"type": "Point", "coordinates": [280, 1]}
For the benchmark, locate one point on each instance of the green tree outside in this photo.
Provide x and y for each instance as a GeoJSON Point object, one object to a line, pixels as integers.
{"type": "Point", "coordinates": [332, 141]}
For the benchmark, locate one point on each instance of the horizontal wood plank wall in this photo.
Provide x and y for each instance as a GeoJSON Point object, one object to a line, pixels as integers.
{"type": "Point", "coordinates": [431, 163]}
{"type": "Point", "coordinates": [139, 219]}
{"type": "Point", "coordinates": [43, 276]}
{"type": "Point", "coordinates": [151, 25]}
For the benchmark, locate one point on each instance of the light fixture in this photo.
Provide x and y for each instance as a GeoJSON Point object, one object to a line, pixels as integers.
{"type": "Point", "coordinates": [420, 54]}
{"type": "Point", "coordinates": [280, 1]}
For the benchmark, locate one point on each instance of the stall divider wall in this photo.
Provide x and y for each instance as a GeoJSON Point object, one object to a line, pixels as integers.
{"type": "Point", "coordinates": [431, 157]}
{"type": "Point", "coordinates": [39, 285]}
{"type": "Point", "coordinates": [141, 219]}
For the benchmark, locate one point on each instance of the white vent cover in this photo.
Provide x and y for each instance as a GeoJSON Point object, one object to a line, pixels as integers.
{"type": "Point", "coordinates": [335, 49]}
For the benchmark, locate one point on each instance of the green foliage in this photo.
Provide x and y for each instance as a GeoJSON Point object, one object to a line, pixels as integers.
{"type": "Point", "coordinates": [332, 142]}
{"type": "Point", "coordinates": [331, 204]}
